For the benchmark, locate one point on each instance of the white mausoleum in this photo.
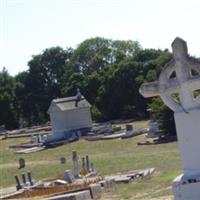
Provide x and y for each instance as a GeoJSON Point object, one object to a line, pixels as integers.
{"type": "Point", "coordinates": [70, 113]}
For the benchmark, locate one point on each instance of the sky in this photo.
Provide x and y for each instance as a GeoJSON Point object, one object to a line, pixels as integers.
{"type": "Point", "coordinates": [27, 27]}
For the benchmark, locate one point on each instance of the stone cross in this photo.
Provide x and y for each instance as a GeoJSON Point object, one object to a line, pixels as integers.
{"type": "Point", "coordinates": [184, 84]}
{"type": "Point", "coordinates": [179, 88]}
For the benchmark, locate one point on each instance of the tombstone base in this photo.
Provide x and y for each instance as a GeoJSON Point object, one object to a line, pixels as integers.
{"type": "Point", "coordinates": [186, 188]}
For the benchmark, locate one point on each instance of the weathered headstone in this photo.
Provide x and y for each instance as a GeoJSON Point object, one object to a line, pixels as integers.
{"type": "Point", "coordinates": [87, 163]}
{"type": "Point", "coordinates": [84, 170]}
{"type": "Point", "coordinates": [21, 121]}
{"type": "Point", "coordinates": [24, 178]}
{"type": "Point", "coordinates": [93, 168]}
{"type": "Point", "coordinates": [68, 176]}
{"type": "Point", "coordinates": [21, 163]}
{"type": "Point", "coordinates": [18, 185]}
{"type": "Point", "coordinates": [129, 130]}
{"type": "Point", "coordinates": [75, 164]}
{"type": "Point", "coordinates": [29, 176]}
{"type": "Point", "coordinates": [186, 109]}
{"type": "Point", "coordinates": [62, 160]}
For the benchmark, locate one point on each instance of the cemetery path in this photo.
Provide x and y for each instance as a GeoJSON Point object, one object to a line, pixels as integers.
{"type": "Point", "coordinates": [41, 162]}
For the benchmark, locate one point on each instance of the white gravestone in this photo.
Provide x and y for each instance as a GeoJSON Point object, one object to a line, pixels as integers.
{"type": "Point", "coordinates": [181, 76]}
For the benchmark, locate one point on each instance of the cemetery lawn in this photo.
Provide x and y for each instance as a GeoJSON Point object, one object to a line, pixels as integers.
{"type": "Point", "coordinates": [109, 157]}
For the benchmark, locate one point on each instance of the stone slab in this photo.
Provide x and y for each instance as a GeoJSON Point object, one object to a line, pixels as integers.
{"type": "Point", "coordinates": [95, 191]}
{"type": "Point", "coordinates": [83, 195]}
{"type": "Point", "coordinates": [107, 185]}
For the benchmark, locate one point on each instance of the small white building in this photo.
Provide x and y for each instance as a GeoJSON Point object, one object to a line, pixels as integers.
{"type": "Point", "coordinates": [70, 113]}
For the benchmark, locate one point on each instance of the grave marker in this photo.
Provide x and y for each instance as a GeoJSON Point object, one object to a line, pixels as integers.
{"type": "Point", "coordinates": [186, 107]}
{"type": "Point", "coordinates": [21, 163]}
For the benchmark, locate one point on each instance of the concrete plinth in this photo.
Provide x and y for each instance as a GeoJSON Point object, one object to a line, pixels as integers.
{"type": "Point", "coordinates": [186, 188]}
{"type": "Point", "coordinates": [107, 185]}
{"type": "Point", "coordinates": [95, 191]}
{"type": "Point", "coordinates": [83, 195]}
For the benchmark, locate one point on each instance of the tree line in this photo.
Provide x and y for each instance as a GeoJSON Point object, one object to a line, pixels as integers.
{"type": "Point", "coordinates": [107, 72]}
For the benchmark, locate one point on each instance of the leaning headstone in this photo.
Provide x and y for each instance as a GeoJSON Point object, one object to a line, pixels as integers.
{"type": "Point", "coordinates": [129, 127]}
{"type": "Point", "coordinates": [68, 176]}
{"type": "Point", "coordinates": [24, 178]}
{"type": "Point", "coordinates": [29, 176]}
{"type": "Point", "coordinates": [83, 170]}
{"type": "Point", "coordinates": [186, 112]}
{"type": "Point", "coordinates": [62, 160]}
{"type": "Point", "coordinates": [75, 164]}
{"type": "Point", "coordinates": [83, 163]}
{"type": "Point", "coordinates": [93, 168]}
{"type": "Point", "coordinates": [21, 163]}
{"type": "Point", "coordinates": [18, 185]}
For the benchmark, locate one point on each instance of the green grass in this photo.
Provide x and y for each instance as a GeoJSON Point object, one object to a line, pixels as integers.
{"type": "Point", "coordinates": [109, 157]}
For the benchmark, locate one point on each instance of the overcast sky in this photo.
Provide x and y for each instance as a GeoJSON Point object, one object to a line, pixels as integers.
{"type": "Point", "coordinates": [27, 27]}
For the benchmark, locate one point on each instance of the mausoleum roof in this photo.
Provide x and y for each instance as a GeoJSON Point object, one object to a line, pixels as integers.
{"type": "Point", "coordinates": [68, 103]}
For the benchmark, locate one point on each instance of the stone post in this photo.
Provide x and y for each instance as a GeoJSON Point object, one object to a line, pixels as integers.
{"type": "Point", "coordinates": [18, 185]}
{"type": "Point", "coordinates": [24, 178]}
{"type": "Point", "coordinates": [75, 164]}
{"type": "Point", "coordinates": [83, 164]}
{"type": "Point", "coordinates": [186, 112]}
{"type": "Point", "coordinates": [68, 176]}
{"type": "Point", "coordinates": [29, 178]}
{"type": "Point", "coordinates": [87, 163]}
{"type": "Point", "coordinates": [93, 168]}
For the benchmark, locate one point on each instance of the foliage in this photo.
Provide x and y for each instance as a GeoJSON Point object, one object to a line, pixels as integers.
{"type": "Point", "coordinates": [108, 73]}
{"type": "Point", "coordinates": [96, 114]}
{"type": "Point", "coordinates": [164, 115]}
{"type": "Point", "coordinates": [7, 100]}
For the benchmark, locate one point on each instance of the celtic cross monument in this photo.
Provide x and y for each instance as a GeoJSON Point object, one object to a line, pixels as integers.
{"type": "Point", "coordinates": [179, 88]}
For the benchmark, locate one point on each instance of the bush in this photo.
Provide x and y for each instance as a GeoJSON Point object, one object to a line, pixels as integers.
{"type": "Point", "coordinates": [96, 114]}
{"type": "Point", "coordinates": [128, 111]}
{"type": "Point", "coordinates": [164, 116]}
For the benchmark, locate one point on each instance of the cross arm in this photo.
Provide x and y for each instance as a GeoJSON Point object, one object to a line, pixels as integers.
{"type": "Point", "coordinates": [150, 89]}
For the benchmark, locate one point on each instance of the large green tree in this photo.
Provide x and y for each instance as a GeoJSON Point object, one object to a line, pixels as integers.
{"type": "Point", "coordinates": [94, 54]}
{"type": "Point", "coordinates": [108, 73]}
{"type": "Point", "coordinates": [48, 72]}
{"type": "Point", "coordinates": [7, 100]}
